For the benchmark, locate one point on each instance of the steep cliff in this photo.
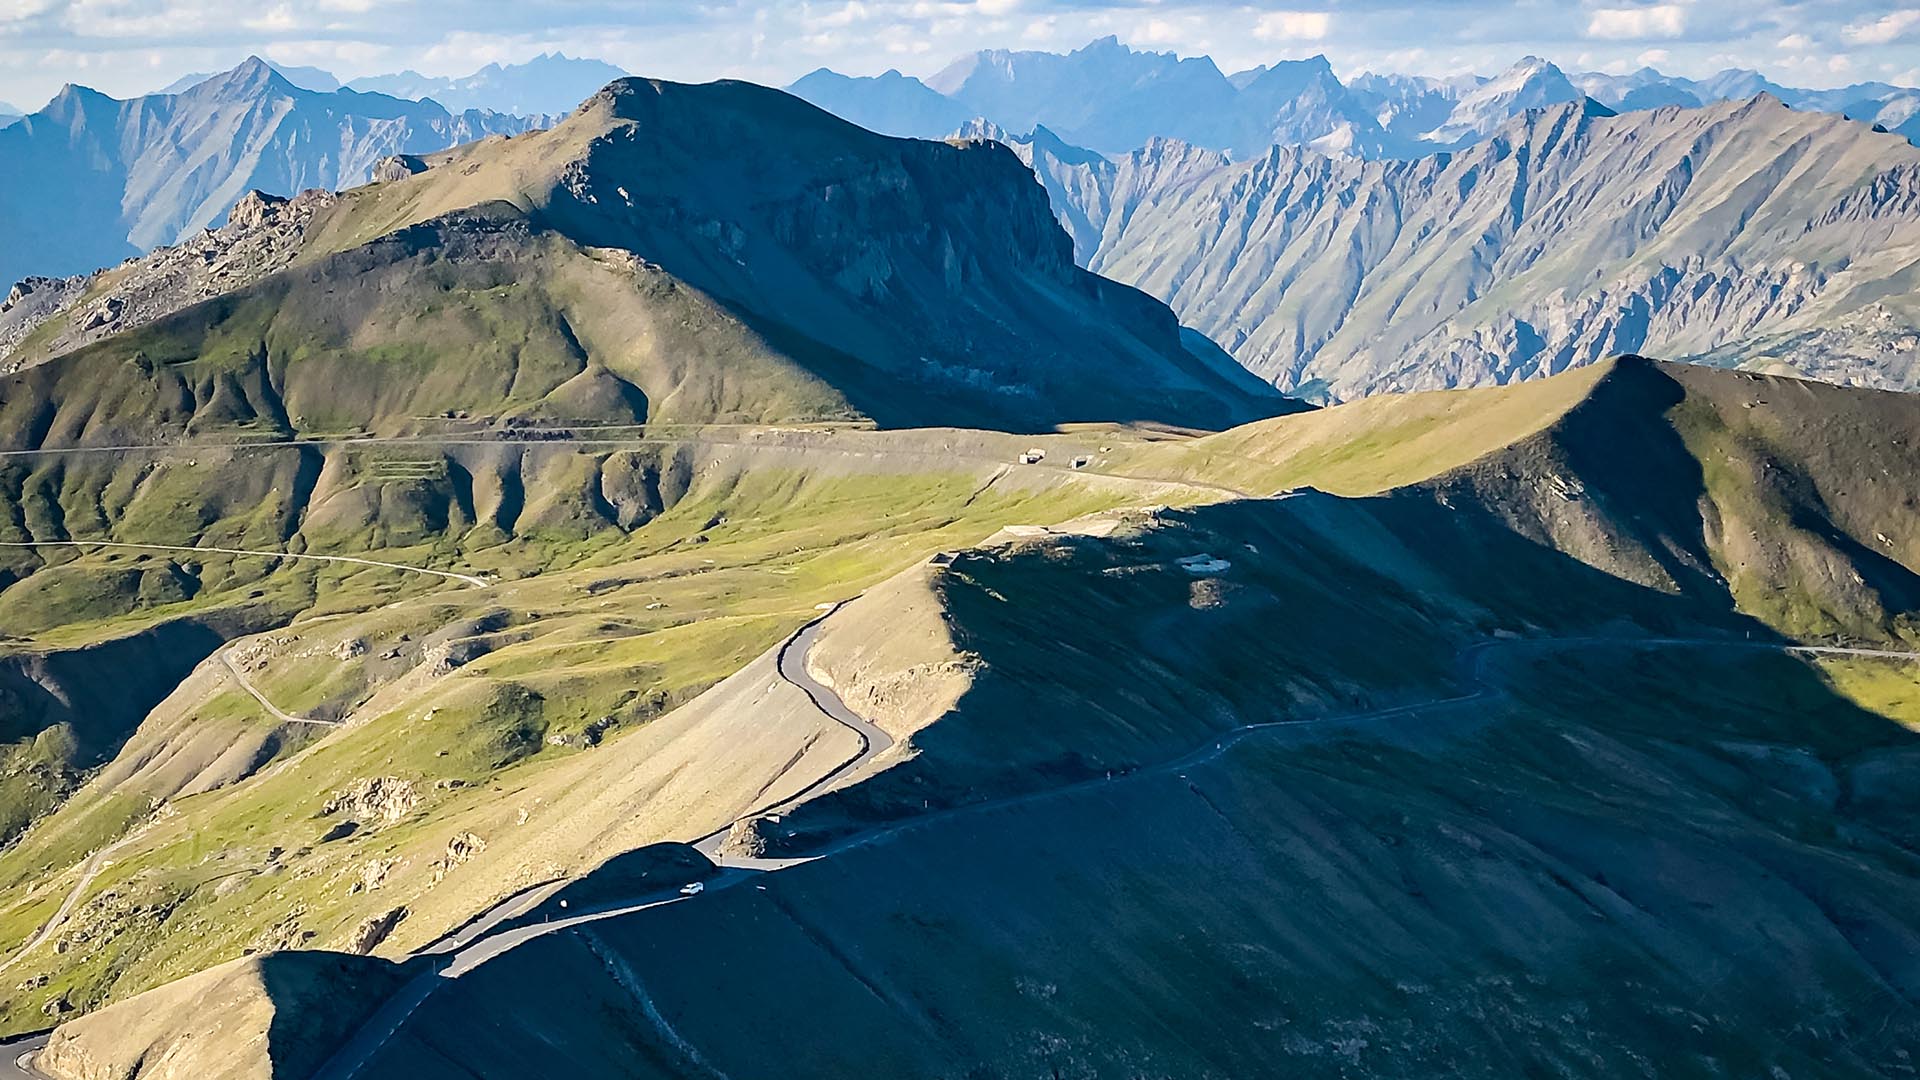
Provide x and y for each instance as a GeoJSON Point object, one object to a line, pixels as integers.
{"type": "Point", "coordinates": [1565, 237]}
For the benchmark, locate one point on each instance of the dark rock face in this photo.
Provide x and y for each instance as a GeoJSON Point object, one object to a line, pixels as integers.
{"type": "Point", "coordinates": [938, 263]}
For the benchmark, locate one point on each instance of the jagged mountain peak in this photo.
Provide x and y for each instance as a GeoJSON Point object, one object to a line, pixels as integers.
{"type": "Point", "coordinates": [550, 84]}
{"type": "Point", "coordinates": [890, 103]}
{"type": "Point", "coordinates": [1043, 136]}
{"type": "Point", "coordinates": [249, 76]}
{"type": "Point", "coordinates": [982, 128]}
{"type": "Point", "coordinates": [311, 79]}
{"type": "Point", "coordinates": [1544, 270]}
{"type": "Point", "coordinates": [1292, 77]}
{"type": "Point", "coordinates": [1531, 83]}
{"type": "Point", "coordinates": [1111, 97]}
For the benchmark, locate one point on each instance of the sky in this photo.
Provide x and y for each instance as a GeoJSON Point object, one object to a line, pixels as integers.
{"type": "Point", "coordinates": [128, 47]}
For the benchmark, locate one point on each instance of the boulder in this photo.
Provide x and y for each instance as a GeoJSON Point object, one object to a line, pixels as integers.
{"type": "Point", "coordinates": [397, 167]}
{"type": "Point", "coordinates": [373, 930]}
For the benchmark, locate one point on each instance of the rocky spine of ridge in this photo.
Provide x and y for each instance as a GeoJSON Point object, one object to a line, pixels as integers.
{"type": "Point", "coordinates": [263, 233]}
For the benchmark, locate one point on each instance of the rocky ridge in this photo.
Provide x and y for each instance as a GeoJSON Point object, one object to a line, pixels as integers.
{"type": "Point", "coordinates": [1568, 236]}
{"type": "Point", "coordinates": [263, 233]}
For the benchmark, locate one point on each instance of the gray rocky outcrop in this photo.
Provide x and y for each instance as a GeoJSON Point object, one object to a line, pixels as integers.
{"type": "Point", "coordinates": [382, 799]}
{"type": "Point", "coordinates": [261, 236]}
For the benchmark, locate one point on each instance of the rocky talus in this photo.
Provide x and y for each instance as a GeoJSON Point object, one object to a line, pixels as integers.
{"type": "Point", "coordinates": [262, 235]}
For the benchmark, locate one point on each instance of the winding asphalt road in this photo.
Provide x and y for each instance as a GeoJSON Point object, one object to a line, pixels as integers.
{"type": "Point", "coordinates": [792, 663]}
{"type": "Point", "coordinates": [477, 944]}
{"type": "Point", "coordinates": [484, 939]}
{"type": "Point", "coordinates": [16, 1057]}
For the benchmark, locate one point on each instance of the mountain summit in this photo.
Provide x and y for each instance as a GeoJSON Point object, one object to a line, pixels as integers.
{"type": "Point", "coordinates": [1114, 99]}
{"type": "Point", "coordinates": [1532, 83]}
{"type": "Point", "coordinates": [698, 253]}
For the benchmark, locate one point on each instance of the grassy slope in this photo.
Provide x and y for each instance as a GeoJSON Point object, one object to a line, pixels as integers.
{"type": "Point", "coordinates": [1360, 901]}
{"type": "Point", "coordinates": [358, 342]}
{"type": "Point", "coordinates": [618, 625]}
{"type": "Point", "coordinates": [1331, 603]}
{"type": "Point", "coordinates": [1368, 446]}
{"type": "Point", "coordinates": [1724, 837]}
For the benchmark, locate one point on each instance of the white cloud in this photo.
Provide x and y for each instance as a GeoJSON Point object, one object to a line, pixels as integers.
{"type": "Point", "coordinates": [1638, 23]}
{"type": "Point", "coordinates": [1795, 43]}
{"type": "Point", "coordinates": [1653, 58]}
{"type": "Point", "coordinates": [16, 11]}
{"type": "Point", "coordinates": [1157, 32]}
{"type": "Point", "coordinates": [328, 53]}
{"type": "Point", "coordinates": [1885, 29]}
{"type": "Point", "coordinates": [846, 15]}
{"type": "Point", "coordinates": [1293, 26]}
{"type": "Point", "coordinates": [277, 19]}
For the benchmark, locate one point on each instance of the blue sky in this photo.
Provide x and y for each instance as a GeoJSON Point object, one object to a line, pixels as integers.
{"type": "Point", "coordinates": [131, 46]}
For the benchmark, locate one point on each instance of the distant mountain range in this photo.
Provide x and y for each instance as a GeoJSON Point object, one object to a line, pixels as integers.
{"type": "Point", "coordinates": [1745, 233]}
{"type": "Point", "coordinates": [551, 84]}
{"type": "Point", "coordinates": [1277, 209]}
{"type": "Point", "coordinates": [91, 180]}
{"type": "Point", "coordinates": [1113, 99]}
{"type": "Point", "coordinates": [1896, 108]}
